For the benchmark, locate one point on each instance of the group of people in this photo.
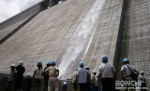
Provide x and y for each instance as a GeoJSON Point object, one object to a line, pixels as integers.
{"type": "Point", "coordinates": [16, 77]}
{"type": "Point", "coordinates": [103, 80]}
{"type": "Point", "coordinates": [83, 78]}
{"type": "Point", "coordinates": [49, 75]}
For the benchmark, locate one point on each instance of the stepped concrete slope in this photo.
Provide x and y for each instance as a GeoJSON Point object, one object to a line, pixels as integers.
{"type": "Point", "coordinates": [45, 36]}
{"type": "Point", "coordinates": [82, 30]}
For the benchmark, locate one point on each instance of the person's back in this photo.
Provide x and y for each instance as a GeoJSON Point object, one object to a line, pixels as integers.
{"type": "Point", "coordinates": [37, 77]}
{"type": "Point", "coordinates": [13, 73]}
{"type": "Point", "coordinates": [93, 79]}
{"type": "Point", "coordinates": [28, 82]}
{"type": "Point", "coordinates": [46, 77]}
{"type": "Point", "coordinates": [20, 70]}
{"type": "Point", "coordinates": [94, 82]}
{"type": "Point", "coordinates": [82, 74]}
{"type": "Point", "coordinates": [64, 87]}
{"type": "Point", "coordinates": [74, 80]}
{"type": "Point", "coordinates": [106, 75]}
{"type": "Point", "coordinates": [88, 82]}
{"type": "Point", "coordinates": [126, 71]}
{"type": "Point", "coordinates": [74, 77]}
{"type": "Point", "coordinates": [82, 77]}
{"type": "Point", "coordinates": [106, 70]}
{"type": "Point", "coordinates": [12, 78]}
{"type": "Point", "coordinates": [143, 81]}
{"type": "Point", "coordinates": [38, 73]}
{"type": "Point", "coordinates": [53, 73]}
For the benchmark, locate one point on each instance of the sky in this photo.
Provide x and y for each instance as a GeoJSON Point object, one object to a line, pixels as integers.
{"type": "Point", "coordinates": [9, 8]}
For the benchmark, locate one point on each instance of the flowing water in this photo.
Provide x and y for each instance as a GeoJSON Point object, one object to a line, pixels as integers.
{"type": "Point", "coordinates": [80, 42]}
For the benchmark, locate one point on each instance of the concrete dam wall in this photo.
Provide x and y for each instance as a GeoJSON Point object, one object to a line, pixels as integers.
{"type": "Point", "coordinates": [77, 30]}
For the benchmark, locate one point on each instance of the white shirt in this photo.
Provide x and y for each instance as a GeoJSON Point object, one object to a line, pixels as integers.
{"type": "Point", "coordinates": [38, 73]}
{"type": "Point", "coordinates": [106, 70]}
{"type": "Point", "coordinates": [82, 74]}
{"type": "Point", "coordinates": [126, 71]}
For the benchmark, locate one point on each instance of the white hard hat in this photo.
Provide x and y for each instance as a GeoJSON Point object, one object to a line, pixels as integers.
{"type": "Point", "coordinates": [12, 65]}
{"type": "Point", "coordinates": [65, 83]}
{"type": "Point", "coordinates": [20, 62]}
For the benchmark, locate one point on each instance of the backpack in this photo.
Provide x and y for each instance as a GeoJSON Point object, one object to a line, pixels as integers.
{"type": "Point", "coordinates": [52, 71]}
{"type": "Point", "coordinates": [134, 74]}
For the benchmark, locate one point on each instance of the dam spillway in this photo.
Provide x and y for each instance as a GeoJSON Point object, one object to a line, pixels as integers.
{"type": "Point", "coordinates": [122, 30]}
{"type": "Point", "coordinates": [80, 41]}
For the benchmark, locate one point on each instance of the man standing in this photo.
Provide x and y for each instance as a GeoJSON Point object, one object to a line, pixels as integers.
{"type": "Point", "coordinates": [74, 80]}
{"type": "Point", "coordinates": [82, 77]}
{"type": "Point", "coordinates": [88, 84]}
{"type": "Point", "coordinates": [53, 73]}
{"type": "Point", "coordinates": [106, 75]}
{"type": "Point", "coordinates": [46, 77]}
{"type": "Point", "coordinates": [143, 81]}
{"type": "Point", "coordinates": [20, 71]}
{"type": "Point", "coordinates": [64, 86]}
{"type": "Point", "coordinates": [28, 82]}
{"type": "Point", "coordinates": [94, 82]}
{"type": "Point", "coordinates": [37, 77]}
{"type": "Point", "coordinates": [12, 78]}
{"type": "Point", "coordinates": [126, 71]}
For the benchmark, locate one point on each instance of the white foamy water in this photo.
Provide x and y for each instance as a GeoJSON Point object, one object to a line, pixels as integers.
{"type": "Point", "coordinates": [82, 38]}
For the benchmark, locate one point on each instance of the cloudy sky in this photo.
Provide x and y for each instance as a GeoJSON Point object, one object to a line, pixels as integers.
{"type": "Point", "coordinates": [9, 8]}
